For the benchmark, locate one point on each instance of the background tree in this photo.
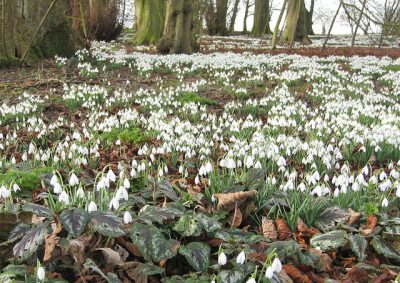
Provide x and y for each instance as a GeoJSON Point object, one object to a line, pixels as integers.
{"type": "Point", "coordinates": [234, 15]}
{"type": "Point", "coordinates": [261, 18]}
{"type": "Point", "coordinates": [149, 21]}
{"type": "Point", "coordinates": [310, 16]}
{"type": "Point", "coordinates": [216, 17]}
{"type": "Point", "coordinates": [296, 22]}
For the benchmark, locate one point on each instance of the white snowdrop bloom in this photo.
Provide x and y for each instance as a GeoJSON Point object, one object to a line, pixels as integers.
{"type": "Point", "coordinates": [398, 191]}
{"type": "Point", "coordinates": [269, 273]}
{"type": "Point", "coordinates": [241, 258]}
{"type": "Point", "coordinates": [222, 259]}
{"type": "Point", "coordinates": [92, 206]}
{"type": "Point", "coordinates": [277, 265]}
{"type": "Point", "coordinates": [385, 202]}
{"type": "Point", "coordinates": [249, 162]}
{"type": "Point", "coordinates": [13, 161]}
{"type": "Point", "coordinates": [127, 217]}
{"type": "Point", "coordinates": [111, 175]}
{"type": "Point", "coordinates": [281, 162]}
{"type": "Point", "coordinates": [114, 203]}
{"type": "Point", "coordinates": [302, 187]}
{"type": "Point", "coordinates": [208, 167]}
{"type": "Point", "coordinates": [365, 170]}
{"type": "Point", "coordinates": [181, 169]}
{"type": "Point", "coordinates": [40, 273]}
{"type": "Point", "coordinates": [373, 180]}
{"type": "Point", "coordinates": [16, 188]}
{"type": "Point", "coordinates": [122, 193]}
{"type": "Point", "coordinates": [24, 157]}
{"type": "Point", "coordinates": [57, 189]}
{"type": "Point", "coordinates": [118, 142]}
{"type": "Point", "coordinates": [64, 198]}
{"type": "Point", "coordinates": [127, 184]}
{"type": "Point", "coordinates": [133, 173]}
{"type": "Point", "coordinates": [258, 165]}
{"type": "Point", "coordinates": [80, 193]}
{"type": "Point", "coordinates": [251, 280]}
{"type": "Point", "coordinates": [382, 176]}
{"type": "Point", "coordinates": [336, 193]}
{"type": "Point", "coordinates": [4, 193]}
{"type": "Point", "coordinates": [230, 163]}
{"type": "Point", "coordinates": [197, 180]}
{"type": "Point", "coordinates": [73, 180]}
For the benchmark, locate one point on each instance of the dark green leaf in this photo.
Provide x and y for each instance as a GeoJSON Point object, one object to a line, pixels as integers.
{"type": "Point", "coordinates": [149, 269]}
{"type": "Point", "coordinates": [284, 248]}
{"type": "Point", "coordinates": [209, 224]}
{"type": "Point", "coordinates": [30, 242]}
{"type": "Point", "coordinates": [19, 231]}
{"type": "Point", "coordinates": [39, 210]}
{"type": "Point", "coordinates": [197, 255]}
{"type": "Point", "coordinates": [106, 223]}
{"type": "Point", "coordinates": [74, 220]}
{"type": "Point", "coordinates": [231, 276]}
{"type": "Point", "coordinates": [255, 179]}
{"type": "Point", "coordinates": [358, 245]}
{"type": "Point", "coordinates": [385, 248]}
{"type": "Point", "coordinates": [151, 214]}
{"type": "Point", "coordinates": [152, 244]}
{"type": "Point", "coordinates": [187, 225]}
{"type": "Point", "coordinates": [329, 241]}
{"type": "Point", "coordinates": [166, 188]}
{"type": "Point", "coordinates": [330, 217]}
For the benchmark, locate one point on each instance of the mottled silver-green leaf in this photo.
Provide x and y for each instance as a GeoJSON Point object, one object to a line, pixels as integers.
{"type": "Point", "coordinates": [74, 220]}
{"type": "Point", "coordinates": [106, 223]}
{"type": "Point", "coordinates": [197, 255]}
{"type": "Point", "coordinates": [166, 188]}
{"type": "Point", "coordinates": [231, 276]}
{"type": "Point", "coordinates": [358, 245]}
{"type": "Point", "coordinates": [110, 277]}
{"type": "Point", "coordinates": [385, 248]}
{"type": "Point", "coordinates": [39, 210]}
{"type": "Point", "coordinates": [154, 214]}
{"type": "Point", "coordinates": [149, 269]}
{"type": "Point", "coordinates": [152, 243]}
{"type": "Point", "coordinates": [30, 242]}
{"type": "Point", "coordinates": [19, 231]}
{"type": "Point", "coordinates": [209, 224]}
{"type": "Point", "coordinates": [284, 248]}
{"type": "Point", "coordinates": [330, 217]}
{"type": "Point", "coordinates": [330, 240]}
{"type": "Point", "coordinates": [188, 225]}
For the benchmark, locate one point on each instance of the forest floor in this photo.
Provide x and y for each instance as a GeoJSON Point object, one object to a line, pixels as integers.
{"type": "Point", "coordinates": [122, 165]}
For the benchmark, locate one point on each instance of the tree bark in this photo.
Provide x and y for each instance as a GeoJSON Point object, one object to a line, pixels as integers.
{"type": "Point", "coordinates": [353, 40]}
{"type": "Point", "coordinates": [310, 15]}
{"type": "Point", "coordinates": [246, 14]}
{"type": "Point", "coordinates": [296, 23]}
{"type": "Point", "coordinates": [234, 15]}
{"type": "Point", "coordinates": [178, 34]}
{"type": "Point", "coordinates": [331, 26]}
{"type": "Point", "coordinates": [150, 18]}
{"type": "Point", "coordinates": [276, 29]}
{"type": "Point", "coordinates": [261, 18]}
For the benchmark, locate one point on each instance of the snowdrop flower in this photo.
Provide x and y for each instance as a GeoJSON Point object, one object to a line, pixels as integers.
{"type": "Point", "coordinates": [241, 258]}
{"type": "Point", "coordinates": [40, 273]}
{"type": "Point", "coordinates": [64, 198]}
{"type": "Point", "coordinates": [114, 204]}
{"type": "Point", "coordinates": [80, 193]}
{"type": "Point", "coordinates": [222, 259]}
{"type": "Point", "coordinates": [118, 142]}
{"type": "Point", "coordinates": [208, 167]}
{"type": "Point", "coordinates": [385, 202]}
{"type": "Point", "coordinates": [4, 193]}
{"type": "Point", "coordinates": [73, 180]}
{"type": "Point", "coordinates": [16, 188]}
{"type": "Point", "coordinates": [57, 189]}
{"type": "Point", "coordinates": [127, 184]}
{"type": "Point", "coordinates": [251, 280]}
{"type": "Point", "coordinates": [269, 273]}
{"type": "Point", "coordinates": [127, 217]}
{"type": "Point", "coordinates": [197, 180]}
{"type": "Point", "coordinates": [54, 180]}
{"type": "Point", "coordinates": [111, 175]}
{"type": "Point", "coordinates": [277, 265]}
{"type": "Point", "coordinates": [92, 206]}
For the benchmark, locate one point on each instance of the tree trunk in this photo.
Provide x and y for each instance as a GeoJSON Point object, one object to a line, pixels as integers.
{"type": "Point", "coordinates": [234, 15]}
{"type": "Point", "coordinates": [150, 18]}
{"type": "Point", "coordinates": [261, 18]}
{"type": "Point", "coordinates": [296, 23]}
{"type": "Point", "coordinates": [353, 40]}
{"type": "Point", "coordinates": [276, 29]}
{"type": "Point", "coordinates": [331, 26]}
{"type": "Point", "coordinates": [246, 14]}
{"type": "Point", "coordinates": [310, 15]}
{"type": "Point", "coordinates": [178, 34]}
{"type": "Point", "coordinates": [22, 19]}
{"type": "Point", "coordinates": [222, 13]}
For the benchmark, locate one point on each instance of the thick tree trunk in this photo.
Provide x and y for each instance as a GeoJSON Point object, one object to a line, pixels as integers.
{"type": "Point", "coordinates": [296, 23]}
{"type": "Point", "coordinates": [234, 15]}
{"type": "Point", "coordinates": [178, 34]}
{"type": "Point", "coordinates": [22, 19]}
{"type": "Point", "coordinates": [246, 14]}
{"type": "Point", "coordinates": [216, 17]}
{"type": "Point", "coordinates": [310, 15]}
{"type": "Point", "coordinates": [150, 17]}
{"type": "Point", "coordinates": [261, 18]}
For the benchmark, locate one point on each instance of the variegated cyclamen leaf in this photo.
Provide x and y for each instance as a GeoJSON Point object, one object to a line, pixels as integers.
{"type": "Point", "coordinates": [231, 276]}
{"type": "Point", "coordinates": [358, 245]}
{"type": "Point", "coordinates": [385, 248]}
{"type": "Point", "coordinates": [106, 223]}
{"type": "Point", "coordinates": [329, 241]}
{"type": "Point", "coordinates": [110, 277]}
{"type": "Point", "coordinates": [30, 242]}
{"type": "Point", "coordinates": [152, 243]}
{"type": "Point", "coordinates": [166, 188]}
{"type": "Point", "coordinates": [19, 231]}
{"type": "Point", "coordinates": [74, 220]}
{"type": "Point", "coordinates": [154, 214]}
{"type": "Point", "coordinates": [188, 225]}
{"type": "Point", "coordinates": [197, 255]}
{"type": "Point", "coordinates": [39, 210]}
{"type": "Point", "coordinates": [330, 217]}
{"type": "Point", "coordinates": [209, 224]}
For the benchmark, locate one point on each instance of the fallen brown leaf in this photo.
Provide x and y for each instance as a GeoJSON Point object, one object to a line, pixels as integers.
{"type": "Point", "coordinates": [358, 275]}
{"type": "Point", "coordinates": [51, 242]}
{"type": "Point", "coordinates": [268, 228]}
{"type": "Point", "coordinates": [283, 229]}
{"type": "Point", "coordinates": [354, 217]}
{"type": "Point", "coordinates": [296, 275]}
{"type": "Point", "coordinates": [236, 217]}
{"type": "Point", "coordinates": [230, 200]}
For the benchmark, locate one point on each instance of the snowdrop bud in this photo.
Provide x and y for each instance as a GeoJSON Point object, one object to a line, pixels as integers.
{"type": "Point", "coordinates": [277, 265]}
{"type": "Point", "coordinates": [181, 169]}
{"type": "Point", "coordinates": [251, 280]}
{"type": "Point", "coordinates": [54, 180]}
{"type": "Point", "coordinates": [197, 180]}
{"type": "Point", "coordinates": [92, 206]}
{"type": "Point", "coordinates": [80, 193]}
{"type": "Point", "coordinates": [114, 203]}
{"type": "Point", "coordinates": [385, 202]}
{"type": "Point", "coordinates": [269, 273]}
{"type": "Point", "coordinates": [127, 217]}
{"type": "Point", "coordinates": [73, 180]}
{"type": "Point", "coordinates": [16, 188]}
{"type": "Point", "coordinates": [127, 184]}
{"type": "Point", "coordinates": [118, 142]}
{"type": "Point", "coordinates": [63, 197]}
{"type": "Point", "coordinates": [57, 189]}
{"type": "Point", "coordinates": [241, 258]}
{"type": "Point", "coordinates": [111, 175]}
{"type": "Point", "coordinates": [40, 273]}
{"type": "Point", "coordinates": [222, 259]}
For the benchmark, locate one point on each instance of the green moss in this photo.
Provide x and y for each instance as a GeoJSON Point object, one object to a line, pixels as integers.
{"type": "Point", "coordinates": [26, 180]}
{"type": "Point", "coordinates": [187, 97]}
{"type": "Point", "coordinates": [393, 68]}
{"type": "Point", "coordinates": [134, 136]}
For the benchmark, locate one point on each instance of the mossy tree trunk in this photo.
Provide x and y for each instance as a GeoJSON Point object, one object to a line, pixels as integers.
{"type": "Point", "coordinates": [296, 23]}
{"type": "Point", "coordinates": [261, 18]}
{"type": "Point", "coordinates": [234, 15]}
{"type": "Point", "coordinates": [310, 15]}
{"type": "Point", "coordinates": [21, 21]}
{"type": "Point", "coordinates": [150, 17]}
{"type": "Point", "coordinates": [246, 14]}
{"type": "Point", "coordinates": [178, 35]}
